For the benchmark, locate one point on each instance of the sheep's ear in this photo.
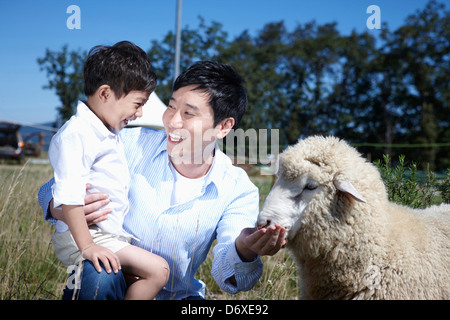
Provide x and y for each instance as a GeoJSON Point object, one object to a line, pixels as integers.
{"type": "Point", "coordinates": [345, 186]}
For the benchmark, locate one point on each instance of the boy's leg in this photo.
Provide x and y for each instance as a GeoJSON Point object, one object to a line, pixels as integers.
{"type": "Point", "coordinates": [152, 270]}
{"type": "Point", "coordinates": [96, 286]}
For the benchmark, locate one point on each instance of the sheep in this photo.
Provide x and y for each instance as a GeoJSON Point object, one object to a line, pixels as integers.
{"type": "Point", "coordinates": [348, 240]}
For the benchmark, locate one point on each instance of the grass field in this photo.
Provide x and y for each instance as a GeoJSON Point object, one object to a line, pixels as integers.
{"type": "Point", "coordinates": [29, 269]}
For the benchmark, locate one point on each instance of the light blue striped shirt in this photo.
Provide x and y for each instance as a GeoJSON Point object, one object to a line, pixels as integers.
{"type": "Point", "coordinates": [183, 234]}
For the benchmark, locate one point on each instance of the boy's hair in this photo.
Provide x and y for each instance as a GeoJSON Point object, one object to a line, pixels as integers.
{"type": "Point", "coordinates": [221, 83]}
{"type": "Point", "coordinates": [124, 67]}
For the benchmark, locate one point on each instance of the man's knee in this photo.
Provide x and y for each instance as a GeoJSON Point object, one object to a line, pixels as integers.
{"type": "Point", "coordinates": [96, 286]}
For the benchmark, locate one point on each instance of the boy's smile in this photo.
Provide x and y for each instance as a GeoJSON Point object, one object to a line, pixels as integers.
{"type": "Point", "coordinates": [118, 112]}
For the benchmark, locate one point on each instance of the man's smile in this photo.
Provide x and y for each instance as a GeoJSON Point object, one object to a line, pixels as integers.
{"type": "Point", "coordinates": [175, 137]}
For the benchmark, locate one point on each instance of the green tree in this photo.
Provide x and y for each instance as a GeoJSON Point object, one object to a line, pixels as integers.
{"type": "Point", "coordinates": [258, 61]}
{"type": "Point", "coordinates": [420, 52]}
{"type": "Point", "coordinates": [65, 75]}
{"type": "Point", "coordinates": [398, 92]}
{"type": "Point", "coordinates": [202, 43]}
{"type": "Point", "coordinates": [287, 77]}
{"type": "Point", "coordinates": [349, 113]}
{"type": "Point", "coordinates": [313, 80]}
{"type": "Point", "coordinates": [313, 61]}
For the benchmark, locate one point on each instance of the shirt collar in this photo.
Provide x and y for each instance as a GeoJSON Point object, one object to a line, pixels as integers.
{"type": "Point", "coordinates": [218, 168]}
{"type": "Point", "coordinates": [89, 116]}
{"type": "Point", "coordinates": [162, 148]}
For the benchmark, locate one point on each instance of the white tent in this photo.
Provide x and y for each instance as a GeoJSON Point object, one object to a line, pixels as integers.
{"type": "Point", "coordinates": [152, 114]}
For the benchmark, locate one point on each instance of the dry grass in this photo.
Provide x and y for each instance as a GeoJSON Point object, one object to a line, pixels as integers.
{"type": "Point", "coordinates": [29, 269]}
{"type": "Point", "coordinates": [279, 280]}
{"type": "Point", "coordinates": [28, 266]}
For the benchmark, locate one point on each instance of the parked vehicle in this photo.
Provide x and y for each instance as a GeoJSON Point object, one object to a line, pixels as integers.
{"type": "Point", "coordinates": [11, 142]}
{"type": "Point", "coordinates": [33, 144]}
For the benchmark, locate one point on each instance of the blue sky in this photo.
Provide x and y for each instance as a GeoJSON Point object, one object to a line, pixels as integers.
{"type": "Point", "coordinates": [28, 27]}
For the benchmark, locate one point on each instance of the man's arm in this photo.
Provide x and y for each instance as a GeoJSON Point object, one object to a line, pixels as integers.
{"type": "Point", "coordinates": [92, 208]}
{"type": "Point", "coordinates": [44, 198]}
{"type": "Point", "coordinates": [236, 271]}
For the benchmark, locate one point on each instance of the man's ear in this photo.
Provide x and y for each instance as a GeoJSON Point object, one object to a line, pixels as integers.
{"type": "Point", "coordinates": [104, 92]}
{"type": "Point", "coordinates": [224, 127]}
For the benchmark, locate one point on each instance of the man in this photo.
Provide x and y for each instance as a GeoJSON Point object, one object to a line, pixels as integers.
{"type": "Point", "coordinates": [185, 193]}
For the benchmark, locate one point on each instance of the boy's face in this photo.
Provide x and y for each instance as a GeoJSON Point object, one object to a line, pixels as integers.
{"type": "Point", "coordinates": [189, 124]}
{"type": "Point", "coordinates": [119, 111]}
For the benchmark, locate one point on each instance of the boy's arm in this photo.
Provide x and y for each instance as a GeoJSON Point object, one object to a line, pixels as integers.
{"type": "Point", "coordinates": [75, 219]}
{"type": "Point", "coordinates": [92, 209]}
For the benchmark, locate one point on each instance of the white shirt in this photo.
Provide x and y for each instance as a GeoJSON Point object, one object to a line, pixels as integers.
{"type": "Point", "coordinates": [185, 189]}
{"type": "Point", "coordinates": [184, 233]}
{"type": "Point", "coordinates": [85, 151]}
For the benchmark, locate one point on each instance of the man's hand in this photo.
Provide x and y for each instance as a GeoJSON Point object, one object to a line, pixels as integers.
{"type": "Point", "coordinates": [264, 241]}
{"type": "Point", "coordinates": [92, 208]}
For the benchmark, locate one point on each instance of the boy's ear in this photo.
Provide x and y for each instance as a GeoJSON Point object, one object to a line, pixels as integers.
{"type": "Point", "coordinates": [224, 127]}
{"type": "Point", "coordinates": [104, 92]}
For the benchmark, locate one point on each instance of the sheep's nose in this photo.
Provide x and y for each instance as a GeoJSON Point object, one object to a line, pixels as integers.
{"type": "Point", "coordinates": [264, 224]}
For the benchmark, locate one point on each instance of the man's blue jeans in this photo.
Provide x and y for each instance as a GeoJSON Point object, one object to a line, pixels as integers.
{"type": "Point", "coordinates": [101, 286]}
{"type": "Point", "coordinates": [97, 286]}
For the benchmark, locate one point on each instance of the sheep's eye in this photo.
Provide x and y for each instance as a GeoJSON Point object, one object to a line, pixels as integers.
{"type": "Point", "coordinates": [310, 186]}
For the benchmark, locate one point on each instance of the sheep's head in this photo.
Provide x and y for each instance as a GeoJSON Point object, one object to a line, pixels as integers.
{"type": "Point", "coordinates": [310, 174]}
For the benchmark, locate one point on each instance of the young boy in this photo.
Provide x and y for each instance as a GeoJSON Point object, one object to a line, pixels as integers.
{"type": "Point", "coordinates": [88, 150]}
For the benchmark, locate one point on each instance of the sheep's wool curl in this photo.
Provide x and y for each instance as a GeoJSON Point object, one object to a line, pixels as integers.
{"type": "Point", "coordinates": [346, 249]}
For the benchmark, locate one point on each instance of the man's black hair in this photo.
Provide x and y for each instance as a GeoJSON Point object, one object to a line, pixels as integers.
{"type": "Point", "coordinates": [221, 83]}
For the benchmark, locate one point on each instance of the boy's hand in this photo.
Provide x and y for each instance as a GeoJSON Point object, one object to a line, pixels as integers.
{"type": "Point", "coordinates": [96, 253]}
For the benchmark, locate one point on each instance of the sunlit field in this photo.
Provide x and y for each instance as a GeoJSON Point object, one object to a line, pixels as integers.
{"type": "Point", "coordinates": [29, 269]}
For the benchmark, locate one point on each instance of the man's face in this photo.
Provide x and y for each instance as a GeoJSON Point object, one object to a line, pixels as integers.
{"type": "Point", "coordinates": [189, 124]}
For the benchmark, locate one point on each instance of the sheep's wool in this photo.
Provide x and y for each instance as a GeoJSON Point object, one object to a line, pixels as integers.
{"type": "Point", "coordinates": [350, 249]}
